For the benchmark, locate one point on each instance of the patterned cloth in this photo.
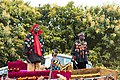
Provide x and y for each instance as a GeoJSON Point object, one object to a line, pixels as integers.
{"type": "Point", "coordinates": [29, 49]}
{"type": "Point", "coordinates": [55, 63]}
{"type": "Point", "coordinates": [80, 53]}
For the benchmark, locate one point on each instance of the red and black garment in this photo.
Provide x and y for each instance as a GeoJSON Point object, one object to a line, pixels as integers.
{"type": "Point", "coordinates": [33, 46]}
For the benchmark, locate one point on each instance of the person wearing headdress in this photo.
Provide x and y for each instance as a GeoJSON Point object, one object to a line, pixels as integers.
{"type": "Point", "coordinates": [80, 52]}
{"type": "Point", "coordinates": [33, 47]}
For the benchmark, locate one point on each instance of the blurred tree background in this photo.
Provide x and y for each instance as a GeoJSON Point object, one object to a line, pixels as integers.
{"type": "Point", "coordinates": [60, 25]}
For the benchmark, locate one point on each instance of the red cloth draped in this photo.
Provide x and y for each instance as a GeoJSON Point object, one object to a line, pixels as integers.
{"type": "Point", "coordinates": [37, 45]}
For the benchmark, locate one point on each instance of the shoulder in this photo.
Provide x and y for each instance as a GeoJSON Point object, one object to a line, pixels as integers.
{"type": "Point", "coordinates": [29, 34]}
{"type": "Point", "coordinates": [76, 42]}
{"type": "Point", "coordinates": [29, 37]}
{"type": "Point", "coordinates": [85, 43]}
{"type": "Point", "coordinates": [40, 36]}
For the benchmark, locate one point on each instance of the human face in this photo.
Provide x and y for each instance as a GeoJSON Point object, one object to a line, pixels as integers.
{"type": "Point", "coordinates": [81, 37]}
{"type": "Point", "coordinates": [36, 29]}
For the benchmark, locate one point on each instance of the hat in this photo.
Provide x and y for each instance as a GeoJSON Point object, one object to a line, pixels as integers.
{"type": "Point", "coordinates": [34, 26]}
{"type": "Point", "coordinates": [81, 34]}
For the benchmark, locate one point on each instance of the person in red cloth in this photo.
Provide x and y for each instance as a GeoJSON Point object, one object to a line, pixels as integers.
{"type": "Point", "coordinates": [33, 47]}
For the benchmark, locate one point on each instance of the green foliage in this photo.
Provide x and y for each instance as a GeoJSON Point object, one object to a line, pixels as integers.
{"type": "Point", "coordinates": [60, 26]}
{"type": "Point", "coordinates": [16, 17]}
{"type": "Point", "coordinates": [100, 24]}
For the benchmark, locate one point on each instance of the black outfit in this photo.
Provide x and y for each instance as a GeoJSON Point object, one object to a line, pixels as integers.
{"type": "Point", "coordinates": [80, 54]}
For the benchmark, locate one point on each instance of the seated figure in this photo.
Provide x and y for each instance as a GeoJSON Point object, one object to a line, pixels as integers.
{"type": "Point", "coordinates": [55, 62]}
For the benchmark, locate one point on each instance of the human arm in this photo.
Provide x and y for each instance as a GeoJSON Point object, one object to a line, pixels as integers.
{"type": "Point", "coordinates": [27, 46]}
{"type": "Point", "coordinates": [42, 45]}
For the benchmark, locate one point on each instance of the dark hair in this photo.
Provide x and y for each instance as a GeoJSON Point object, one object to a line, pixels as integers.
{"type": "Point", "coordinates": [55, 52]}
